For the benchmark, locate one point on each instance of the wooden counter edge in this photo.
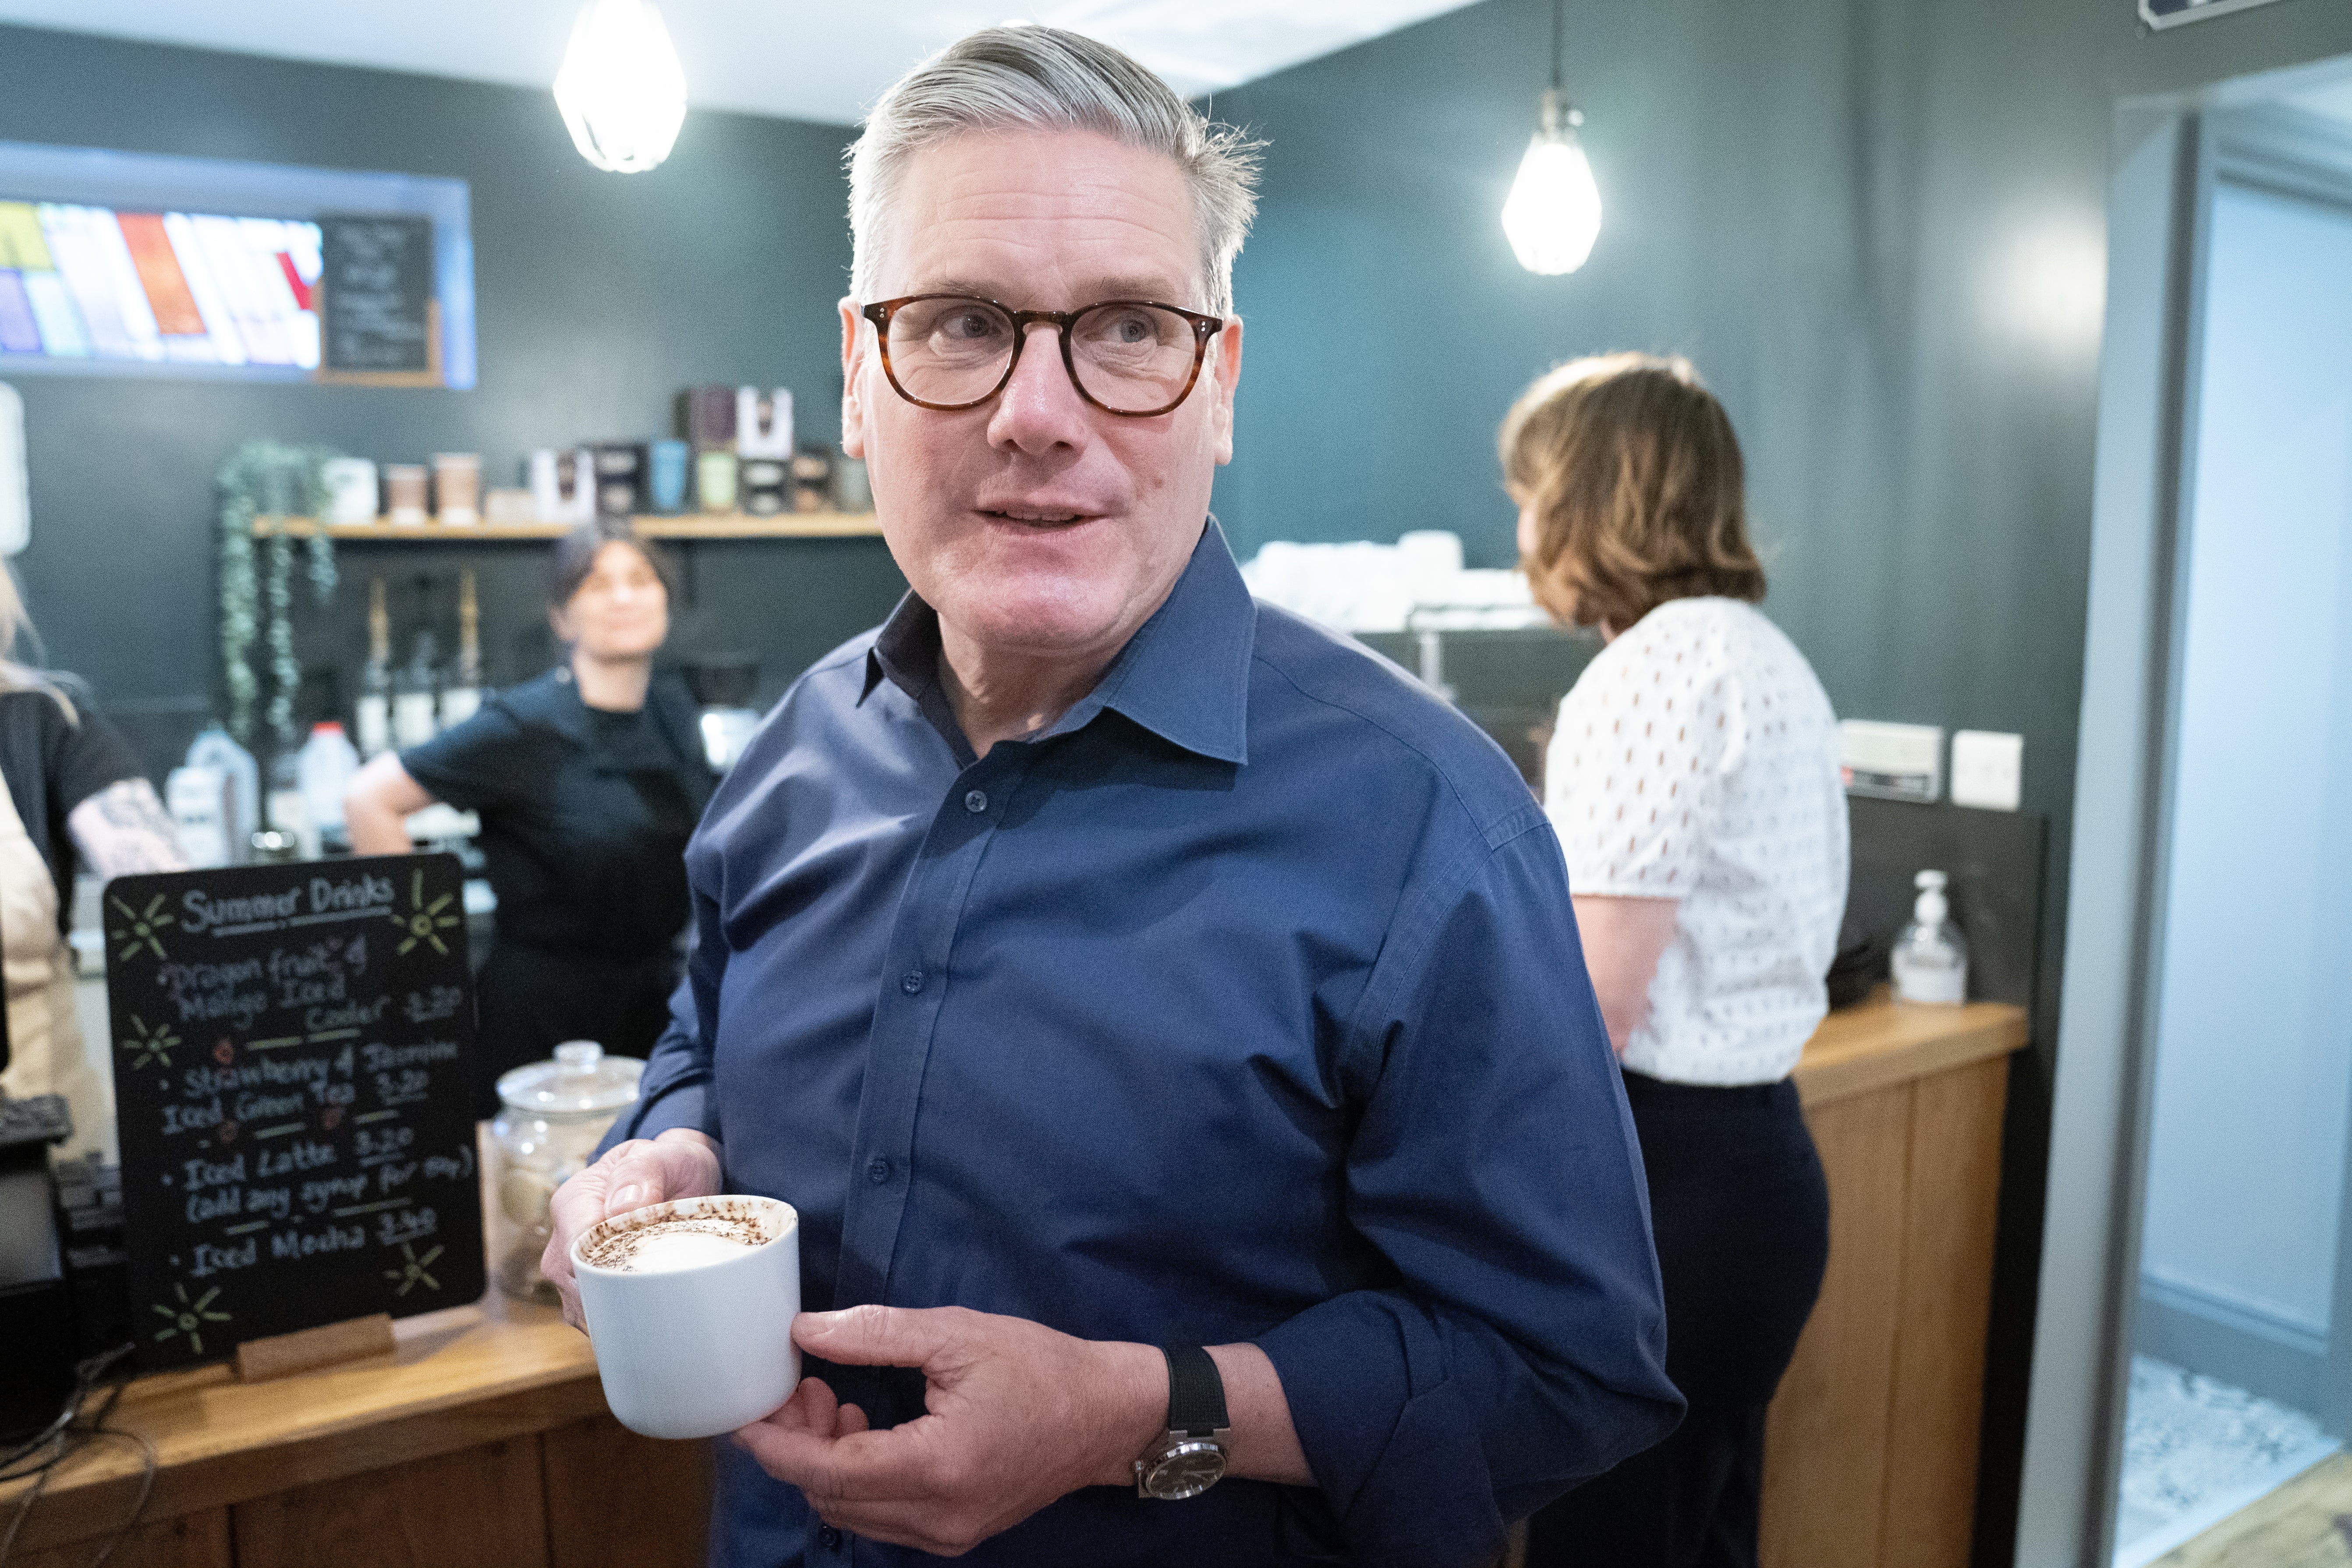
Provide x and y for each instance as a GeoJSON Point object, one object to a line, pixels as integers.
{"type": "Point", "coordinates": [508, 1372]}
{"type": "Point", "coordinates": [78, 1509]}
{"type": "Point", "coordinates": [1882, 1043]}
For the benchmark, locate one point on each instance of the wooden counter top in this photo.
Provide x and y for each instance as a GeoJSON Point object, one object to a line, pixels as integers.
{"type": "Point", "coordinates": [457, 1378]}
{"type": "Point", "coordinates": [1882, 1042]}
{"type": "Point", "coordinates": [475, 1375]}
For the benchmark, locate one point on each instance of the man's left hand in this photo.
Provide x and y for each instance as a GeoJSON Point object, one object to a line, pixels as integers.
{"type": "Point", "coordinates": [1018, 1416]}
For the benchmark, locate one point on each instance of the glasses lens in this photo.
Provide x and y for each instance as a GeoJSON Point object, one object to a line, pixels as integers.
{"type": "Point", "coordinates": [950, 350]}
{"type": "Point", "coordinates": [1133, 358]}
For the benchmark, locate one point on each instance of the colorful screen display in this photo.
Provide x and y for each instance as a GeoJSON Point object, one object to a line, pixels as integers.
{"type": "Point", "coordinates": [81, 282]}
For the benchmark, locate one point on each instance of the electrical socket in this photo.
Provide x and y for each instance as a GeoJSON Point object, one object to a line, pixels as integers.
{"type": "Point", "coordinates": [1988, 770]}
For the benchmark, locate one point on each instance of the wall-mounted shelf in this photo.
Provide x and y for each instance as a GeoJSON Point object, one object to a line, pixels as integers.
{"type": "Point", "coordinates": [786, 525]}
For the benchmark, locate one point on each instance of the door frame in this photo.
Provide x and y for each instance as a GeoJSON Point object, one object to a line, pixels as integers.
{"type": "Point", "coordinates": [2168, 159]}
{"type": "Point", "coordinates": [2286, 156]}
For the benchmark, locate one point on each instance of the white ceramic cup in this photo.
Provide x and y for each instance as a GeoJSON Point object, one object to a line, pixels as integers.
{"type": "Point", "coordinates": [696, 1352]}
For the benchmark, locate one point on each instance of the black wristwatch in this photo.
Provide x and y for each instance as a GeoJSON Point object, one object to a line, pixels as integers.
{"type": "Point", "coordinates": [1191, 1458]}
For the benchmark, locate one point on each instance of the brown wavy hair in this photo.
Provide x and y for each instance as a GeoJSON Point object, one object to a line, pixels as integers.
{"type": "Point", "coordinates": [1638, 490]}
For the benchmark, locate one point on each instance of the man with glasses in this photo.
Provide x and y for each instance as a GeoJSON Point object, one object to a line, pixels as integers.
{"type": "Point", "coordinates": [1149, 1002]}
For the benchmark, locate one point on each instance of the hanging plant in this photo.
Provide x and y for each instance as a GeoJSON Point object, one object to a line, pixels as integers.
{"type": "Point", "coordinates": [267, 479]}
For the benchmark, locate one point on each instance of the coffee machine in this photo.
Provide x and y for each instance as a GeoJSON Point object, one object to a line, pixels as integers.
{"type": "Point", "coordinates": [723, 683]}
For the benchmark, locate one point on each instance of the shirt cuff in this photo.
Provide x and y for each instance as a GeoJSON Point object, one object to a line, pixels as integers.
{"type": "Point", "coordinates": [1391, 1444]}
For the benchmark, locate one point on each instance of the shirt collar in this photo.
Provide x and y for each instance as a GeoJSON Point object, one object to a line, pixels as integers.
{"type": "Point", "coordinates": [1184, 675]}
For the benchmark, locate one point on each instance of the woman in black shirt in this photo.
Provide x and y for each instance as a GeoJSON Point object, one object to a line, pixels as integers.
{"type": "Point", "coordinates": [588, 781]}
{"type": "Point", "coordinates": [68, 783]}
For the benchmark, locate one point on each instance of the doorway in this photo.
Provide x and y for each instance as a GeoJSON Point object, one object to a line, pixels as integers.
{"type": "Point", "coordinates": [2194, 1237]}
{"type": "Point", "coordinates": [2238, 1380]}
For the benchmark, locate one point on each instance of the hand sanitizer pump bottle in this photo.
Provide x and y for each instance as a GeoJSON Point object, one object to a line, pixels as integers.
{"type": "Point", "coordinates": [1931, 956]}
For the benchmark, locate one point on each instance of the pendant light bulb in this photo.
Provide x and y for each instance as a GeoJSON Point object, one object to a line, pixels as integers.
{"type": "Point", "coordinates": [1553, 214]}
{"type": "Point", "coordinates": [621, 89]}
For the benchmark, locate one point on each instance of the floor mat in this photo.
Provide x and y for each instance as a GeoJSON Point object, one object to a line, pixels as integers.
{"type": "Point", "coordinates": [2196, 1452]}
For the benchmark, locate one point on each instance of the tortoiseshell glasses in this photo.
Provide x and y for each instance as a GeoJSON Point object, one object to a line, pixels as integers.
{"type": "Point", "coordinates": [1131, 357]}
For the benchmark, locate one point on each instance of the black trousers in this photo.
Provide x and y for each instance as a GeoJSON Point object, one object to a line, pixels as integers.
{"type": "Point", "coordinates": [1741, 1215]}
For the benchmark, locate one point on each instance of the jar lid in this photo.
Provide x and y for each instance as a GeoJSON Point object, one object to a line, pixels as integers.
{"type": "Point", "coordinates": [581, 1079]}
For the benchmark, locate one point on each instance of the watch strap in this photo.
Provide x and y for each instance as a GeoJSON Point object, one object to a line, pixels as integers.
{"type": "Point", "coordinates": [1196, 1394]}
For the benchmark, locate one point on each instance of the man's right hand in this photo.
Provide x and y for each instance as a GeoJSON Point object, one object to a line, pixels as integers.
{"type": "Point", "coordinates": [679, 1163]}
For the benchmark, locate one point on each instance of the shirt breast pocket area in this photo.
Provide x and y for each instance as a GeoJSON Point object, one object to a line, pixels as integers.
{"type": "Point", "coordinates": [1126, 1103]}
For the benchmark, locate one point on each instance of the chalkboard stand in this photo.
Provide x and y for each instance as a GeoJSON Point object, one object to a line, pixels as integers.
{"type": "Point", "coordinates": [308, 1350]}
{"type": "Point", "coordinates": [429, 376]}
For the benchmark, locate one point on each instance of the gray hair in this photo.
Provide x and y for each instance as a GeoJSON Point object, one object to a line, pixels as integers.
{"type": "Point", "coordinates": [1002, 78]}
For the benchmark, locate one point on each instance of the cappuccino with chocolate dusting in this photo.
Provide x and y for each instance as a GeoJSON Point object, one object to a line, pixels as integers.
{"type": "Point", "coordinates": [689, 1241]}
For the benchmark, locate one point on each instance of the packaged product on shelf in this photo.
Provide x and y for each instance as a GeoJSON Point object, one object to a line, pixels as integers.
{"type": "Point", "coordinates": [564, 485]}
{"type": "Point", "coordinates": [766, 487]}
{"type": "Point", "coordinates": [665, 476]}
{"type": "Point", "coordinates": [457, 487]}
{"type": "Point", "coordinates": [403, 490]}
{"type": "Point", "coordinates": [203, 815]}
{"type": "Point", "coordinates": [813, 478]}
{"type": "Point", "coordinates": [620, 479]}
{"type": "Point", "coordinates": [214, 749]}
{"type": "Point", "coordinates": [708, 418]}
{"type": "Point", "coordinates": [372, 721]}
{"type": "Point", "coordinates": [324, 767]}
{"type": "Point", "coordinates": [414, 702]}
{"type": "Point", "coordinates": [764, 423]}
{"type": "Point", "coordinates": [461, 699]}
{"type": "Point", "coordinates": [351, 489]}
{"type": "Point", "coordinates": [715, 474]}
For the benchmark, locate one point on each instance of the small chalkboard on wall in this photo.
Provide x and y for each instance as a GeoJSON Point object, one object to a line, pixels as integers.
{"type": "Point", "coordinates": [379, 316]}
{"type": "Point", "coordinates": [292, 1046]}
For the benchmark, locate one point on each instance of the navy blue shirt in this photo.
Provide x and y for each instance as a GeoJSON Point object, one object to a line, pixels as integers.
{"type": "Point", "coordinates": [1244, 1003]}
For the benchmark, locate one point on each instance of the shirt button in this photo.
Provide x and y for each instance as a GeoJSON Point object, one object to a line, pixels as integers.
{"type": "Point", "coordinates": [911, 982]}
{"type": "Point", "coordinates": [877, 1170]}
{"type": "Point", "coordinates": [829, 1537]}
{"type": "Point", "coordinates": [976, 802]}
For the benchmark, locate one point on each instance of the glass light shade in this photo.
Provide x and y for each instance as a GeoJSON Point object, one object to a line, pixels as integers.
{"type": "Point", "coordinates": [1553, 213]}
{"type": "Point", "coordinates": [621, 89]}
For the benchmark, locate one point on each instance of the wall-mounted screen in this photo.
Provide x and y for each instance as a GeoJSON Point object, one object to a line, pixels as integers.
{"type": "Point", "coordinates": [91, 282]}
{"type": "Point", "coordinates": [151, 265]}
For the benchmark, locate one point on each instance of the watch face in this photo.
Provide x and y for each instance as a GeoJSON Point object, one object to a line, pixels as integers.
{"type": "Point", "coordinates": [1187, 1469]}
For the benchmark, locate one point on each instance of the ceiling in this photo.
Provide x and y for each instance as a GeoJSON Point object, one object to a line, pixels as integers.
{"type": "Point", "coordinates": [802, 60]}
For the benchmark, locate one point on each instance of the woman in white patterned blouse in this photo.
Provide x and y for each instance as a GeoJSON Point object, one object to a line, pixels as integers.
{"type": "Point", "coordinates": [1693, 782]}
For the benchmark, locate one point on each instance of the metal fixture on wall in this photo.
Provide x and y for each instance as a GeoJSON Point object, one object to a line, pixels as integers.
{"type": "Point", "coordinates": [1553, 214]}
{"type": "Point", "coordinates": [621, 89]}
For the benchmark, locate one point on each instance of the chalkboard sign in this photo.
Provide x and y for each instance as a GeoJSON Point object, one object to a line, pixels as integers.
{"type": "Point", "coordinates": [293, 1049]}
{"type": "Point", "coordinates": [378, 316]}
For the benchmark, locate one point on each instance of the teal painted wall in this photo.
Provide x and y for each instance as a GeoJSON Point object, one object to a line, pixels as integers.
{"type": "Point", "coordinates": [1878, 227]}
{"type": "Point", "coordinates": [598, 296]}
{"type": "Point", "coordinates": [1836, 208]}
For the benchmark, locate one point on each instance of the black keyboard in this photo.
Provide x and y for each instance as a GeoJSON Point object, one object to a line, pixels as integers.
{"type": "Point", "coordinates": [38, 1119]}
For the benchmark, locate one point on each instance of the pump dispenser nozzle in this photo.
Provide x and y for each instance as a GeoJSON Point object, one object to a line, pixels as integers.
{"type": "Point", "coordinates": [1930, 961]}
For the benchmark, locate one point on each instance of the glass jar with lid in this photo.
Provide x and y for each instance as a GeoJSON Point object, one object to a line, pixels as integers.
{"type": "Point", "coordinates": [551, 1115]}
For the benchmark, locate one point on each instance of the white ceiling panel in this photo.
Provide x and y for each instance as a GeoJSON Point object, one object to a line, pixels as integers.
{"type": "Point", "coordinates": [803, 60]}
